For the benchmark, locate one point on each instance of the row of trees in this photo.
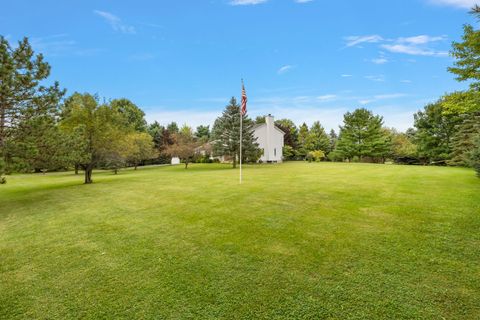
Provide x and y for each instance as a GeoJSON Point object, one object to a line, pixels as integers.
{"type": "Point", "coordinates": [42, 130]}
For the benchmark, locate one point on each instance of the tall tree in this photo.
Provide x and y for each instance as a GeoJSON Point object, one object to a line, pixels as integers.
{"type": "Point", "coordinates": [362, 136]}
{"type": "Point", "coordinates": [318, 138]}
{"type": "Point", "coordinates": [22, 94]}
{"type": "Point", "coordinates": [99, 127]}
{"type": "Point", "coordinates": [435, 130]}
{"type": "Point", "coordinates": [133, 115]}
{"type": "Point", "coordinates": [226, 135]}
{"type": "Point", "coordinates": [304, 144]}
{"type": "Point", "coordinates": [467, 53]}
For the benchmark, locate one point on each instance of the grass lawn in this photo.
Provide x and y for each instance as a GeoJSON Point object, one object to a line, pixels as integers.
{"type": "Point", "coordinates": [296, 240]}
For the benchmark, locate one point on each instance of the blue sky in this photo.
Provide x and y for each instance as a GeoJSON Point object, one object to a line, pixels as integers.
{"type": "Point", "coordinates": [305, 60]}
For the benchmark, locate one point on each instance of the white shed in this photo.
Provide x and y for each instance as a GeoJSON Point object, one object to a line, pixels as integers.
{"type": "Point", "coordinates": [270, 140]}
{"type": "Point", "coordinates": [175, 160]}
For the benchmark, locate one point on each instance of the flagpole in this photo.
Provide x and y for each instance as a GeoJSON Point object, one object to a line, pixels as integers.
{"type": "Point", "coordinates": [241, 131]}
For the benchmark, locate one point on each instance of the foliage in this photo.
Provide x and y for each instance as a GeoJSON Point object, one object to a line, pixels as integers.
{"type": "Point", "coordinates": [291, 132]}
{"type": "Point", "coordinates": [133, 116]}
{"type": "Point", "coordinates": [288, 152]}
{"type": "Point", "coordinates": [184, 146]}
{"type": "Point", "coordinates": [463, 139]}
{"type": "Point", "coordinates": [226, 135]}
{"type": "Point", "coordinates": [475, 155]}
{"type": "Point", "coordinates": [203, 133]}
{"type": "Point", "coordinates": [98, 126]}
{"type": "Point", "coordinates": [435, 129]}
{"type": "Point", "coordinates": [466, 54]}
{"type": "Point", "coordinates": [304, 144]}
{"type": "Point", "coordinates": [362, 136]}
{"type": "Point", "coordinates": [317, 138]}
{"type": "Point", "coordinates": [22, 96]}
{"type": "Point", "coordinates": [138, 147]}
{"type": "Point", "coordinates": [172, 128]}
{"type": "Point", "coordinates": [316, 155]}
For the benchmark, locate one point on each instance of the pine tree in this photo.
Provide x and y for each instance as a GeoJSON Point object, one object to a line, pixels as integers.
{"type": "Point", "coordinates": [435, 130]}
{"type": "Point", "coordinates": [21, 94]}
{"type": "Point", "coordinates": [304, 145]}
{"type": "Point", "coordinates": [475, 155]}
{"type": "Point", "coordinates": [226, 135]}
{"type": "Point", "coordinates": [318, 138]}
{"type": "Point", "coordinates": [463, 139]}
{"type": "Point", "coordinates": [362, 136]}
{"type": "Point", "coordinates": [333, 137]}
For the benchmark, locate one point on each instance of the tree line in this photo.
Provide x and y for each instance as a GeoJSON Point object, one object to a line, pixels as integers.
{"type": "Point", "coordinates": [43, 130]}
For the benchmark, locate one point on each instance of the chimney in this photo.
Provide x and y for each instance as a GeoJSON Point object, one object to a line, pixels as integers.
{"type": "Point", "coordinates": [269, 121]}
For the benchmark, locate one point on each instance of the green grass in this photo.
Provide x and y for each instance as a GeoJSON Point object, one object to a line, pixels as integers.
{"type": "Point", "coordinates": [296, 240]}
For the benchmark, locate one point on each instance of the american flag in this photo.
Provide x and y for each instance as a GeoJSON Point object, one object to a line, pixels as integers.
{"type": "Point", "coordinates": [244, 100]}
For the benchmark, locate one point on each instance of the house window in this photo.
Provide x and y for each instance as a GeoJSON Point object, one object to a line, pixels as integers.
{"type": "Point", "coordinates": [275, 152]}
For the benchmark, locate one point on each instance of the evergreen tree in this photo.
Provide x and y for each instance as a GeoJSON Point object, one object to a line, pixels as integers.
{"type": "Point", "coordinates": [172, 127]}
{"type": "Point", "coordinates": [304, 145]}
{"type": "Point", "coordinates": [475, 155]}
{"type": "Point", "coordinates": [318, 138]}
{"type": "Point", "coordinates": [463, 139]}
{"type": "Point", "coordinates": [362, 136]}
{"type": "Point", "coordinates": [333, 138]}
{"type": "Point", "coordinates": [22, 96]}
{"type": "Point", "coordinates": [226, 135]}
{"type": "Point", "coordinates": [435, 129]}
{"type": "Point", "coordinates": [203, 133]}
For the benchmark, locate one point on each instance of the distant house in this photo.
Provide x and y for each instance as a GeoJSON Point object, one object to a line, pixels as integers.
{"type": "Point", "coordinates": [175, 161]}
{"type": "Point", "coordinates": [270, 140]}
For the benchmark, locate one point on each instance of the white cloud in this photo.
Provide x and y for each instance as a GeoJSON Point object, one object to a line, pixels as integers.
{"type": "Point", "coordinates": [284, 69]}
{"type": "Point", "coordinates": [416, 45]}
{"type": "Point", "coordinates": [246, 2]}
{"type": "Point", "coordinates": [421, 39]}
{"type": "Point", "coordinates": [115, 22]}
{"type": "Point", "coordinates": [376, 78]}
{"type": "Point", "coordinates": [352, 41]}
{"type": "Point", "coordinates": [381, 60]}
{"type": "Point", "coordinates": [327, 97]}
{"type": "Point", "coordinates": [346, 75]}
{"type": "Point", "coordinates": [465, 4]}
{"type": "Point", "coordinates": [413, 50]}
{"type": "Point", "coordinates": [406, 81]}
{"type": "Point", "coordinates": [303, 1]}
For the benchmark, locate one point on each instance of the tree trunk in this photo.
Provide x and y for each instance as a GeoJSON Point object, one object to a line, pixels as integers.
{"type": "Point", "coordinates": [88, 174]}
{"type": "Point", "coordinates": [234, 159]}
{"type": "Point", "coordinates": [76, 168]}
{"type": "Point", "coordinates": [115, 171]}
{"type": "Point", "coordinates": [135, 167]}
{"type": "Point", "coordinates": [186, 164]}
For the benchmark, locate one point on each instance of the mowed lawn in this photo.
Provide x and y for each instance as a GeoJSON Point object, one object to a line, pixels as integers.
{"type": "Point", "coordinates": [295, 241]}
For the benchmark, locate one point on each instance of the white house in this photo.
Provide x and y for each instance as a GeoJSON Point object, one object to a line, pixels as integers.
{"type": "Point", "coordinates": [270, 140]}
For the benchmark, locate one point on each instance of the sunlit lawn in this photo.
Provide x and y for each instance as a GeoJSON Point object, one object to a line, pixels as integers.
{"type": "Point", "coordinates": [296, 240]}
